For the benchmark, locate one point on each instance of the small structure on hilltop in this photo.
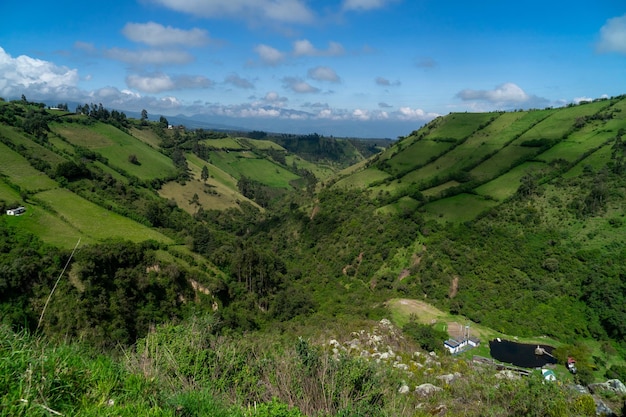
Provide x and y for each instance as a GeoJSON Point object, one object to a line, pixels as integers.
{"type": "Point", "coordinates": [18, 211]}
{"type": "Point", "coordinates": [467, 342]}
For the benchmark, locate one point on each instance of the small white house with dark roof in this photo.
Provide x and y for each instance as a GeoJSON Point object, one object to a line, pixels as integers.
{"type": "Point", "coordinates": [454, 346]}
{"type": "Point", "coordinates": [18, 211]}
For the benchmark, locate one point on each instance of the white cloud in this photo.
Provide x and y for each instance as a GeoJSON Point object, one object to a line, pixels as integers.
{"type": "Point", "coordinates": [323, 74]}
{"type": "Point", "coordinates": [298, 85]}
{"type": "Point", "coordinates": [159, 82]}
{"type": "Point", "coordinates": [385, 82]}
{"type": "Point", "coordinates": [613, 35]}
{"type": "Point", "coordinates": [407, 113]}
{"type": "Point", "coordinates": [304, 47]}
{"type": "Point", "coordinates": [255, 11]}
{"type": "Point", "coordinates": [237, 81]}
{"type": "Point", "coordinates": [275, 99]}
{"type": "Point", "coordinates": [150, 56]}
{"type": "Point", "coordinates": [155, 34]}
{"type": "Point", "coordinates": [504, 93]}
{"type": "Point", "coordinates": [269, 55]}
{"type": "Point", "coordinates": [365, 4]}
{"type": "Point", "coordinates": [36, 78]}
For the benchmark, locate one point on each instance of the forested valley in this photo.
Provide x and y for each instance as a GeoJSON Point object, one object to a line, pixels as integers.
{"type": "Point", "coordinates": [165, 271]}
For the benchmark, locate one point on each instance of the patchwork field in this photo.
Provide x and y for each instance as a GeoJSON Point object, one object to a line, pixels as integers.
{"type": "Point", "coordinates": [21, 173]}
{"type": "Point", "coordinates": [93, 221]}
{"type": "Point", "coordinates": [117, 147]}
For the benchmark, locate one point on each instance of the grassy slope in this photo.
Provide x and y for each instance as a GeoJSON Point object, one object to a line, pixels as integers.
{"type": "Point", "coordinates": [117, 146]}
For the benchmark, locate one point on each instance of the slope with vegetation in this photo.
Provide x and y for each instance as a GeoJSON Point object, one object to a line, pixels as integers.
{"type": "Point", "coordinates": [220, 264]}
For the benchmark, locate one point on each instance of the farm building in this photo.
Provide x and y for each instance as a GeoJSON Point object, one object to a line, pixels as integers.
{"type": "Point", "coordinates": [456, 346]}
{"type": "Point", "coordinates": [16, 211]}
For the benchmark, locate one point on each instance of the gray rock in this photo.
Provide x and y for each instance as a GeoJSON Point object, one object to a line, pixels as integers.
{"type": "Point", "coordinates": [603, 409]}
{"type": "Point", "coordinates": [617, 386]}
{"type": "Point", "coordinates": [404, 389]}
{"type": "Point", "coordinates": [426, 390]}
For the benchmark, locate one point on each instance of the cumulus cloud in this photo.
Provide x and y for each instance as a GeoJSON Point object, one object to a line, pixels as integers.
{"type": "Point", "coordinates": [149, 56]}
{"type": "Point", "coordinates": [239, 82]}
{"type": "Point", "coordinates": [365, 4]}
{"type": "Point", "coordinates": [275, 99]}
{"type": "Point", "coordinates": [159, 82]}
{"type": "Point", "coordinates": [298, 85]}
{"type": "Point", "coordinates": [269, 55]}
{"type": "Point", "coordinates": [504, 93]}
{"type": "Point", "coordinates": [304, 47]}
{"type": "Point", "coordinates": [385, 82]}
{"type": "Point", "coordinates": [323, 74]}
{"type": "Point", "coordinates": [613, 36]}
{"type": "Point", "coordinates": [34, 77]}
{"type": "Point", "coordinates": [155, 34]}
{"type": "Point", "coordinates": [283, 11]}
{"type": "Point", "coordinates": [407, 113]}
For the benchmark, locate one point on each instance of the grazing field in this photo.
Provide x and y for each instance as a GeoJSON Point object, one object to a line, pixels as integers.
{"type": "Point", "coordinates": [239, 164]}
{"type": "Point", "coordinates": [117, 146]}
{"type": "Point", "coordinates": [224, 143]}
{"type": "Point", "coordinates": [34, 149]}
{"type": "Point", "coordinates": [219, 192]}
{"type": "Point", "coordinates": [19, 171]}
{"type": "Point", "coordinates": [8, 194]}
{"type": "Point", "coordinates": [435, 191]}
{"type": "Point", "coordinates": [506, 185]}
{"type": "Point", "coordinates": [362, 179]}
{"type": "Point", "coordinates": [577, 144]}
{"type": "Point", "coordinates": [415, 155]}
{"type": "Point", "coordinates": [49, 227]}
{"type": "Point", "coordinates": [402, 205]}
{"type": "Point", "coordinates": [595, 161]}
{"type": "Point", "coordinates": [501, 162]}
{"type": "Point", "coordinates": [147, 136]}
{"type": "Point", "coordinates": [459, 125]}
{"type": "Point", "coordinates": [93, 221]}
{"type": "Point", "coordinates": [457, 209]}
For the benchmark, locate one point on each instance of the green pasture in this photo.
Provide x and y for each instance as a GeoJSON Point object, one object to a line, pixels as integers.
{"type": "Point", "coordinates": [218, 193]}
{"type": "Point", "coordinates": [223, 143]}
{"type": "Point", "coordinates": [147, 136]}
{"type": "Point", "coordinates": [34, 149]}
{"type": "Point", "coordinates": [8, 194]}
{"type": "Point", "coordinates": [436, 191]}
{"type": "Point", "coordinates": [259, 144]}
{"type": "Point", "coordinates": [596, 161]}
{"type": "Point", "coordinates": [61, 145]}
{"type": "Point", "coordinates": [216, 174]}
{"type": "Point", "coordinates": [239, 164]}
{"type": "Point", "coordinates": [363, 178]}
{"type": "Point", "coordinates": [506, 185]}
{"type": "Point", "coordinates": [457, 209]}
{"type": "Point", "coordinates": [501, 162]}
{"type": "Point", "coordinates": [49, 227]}
{"type": "Point", "coordinates": [93, 221]}
{"type": "Point", "coordinates": [117, 146]}
{"type": "Point", "coordinates": [416, 154]}
{"type": "Point", "coordinates": [577, 144]}
{"type": "Point", "coordinates": [459, 125]}
{"type": "Point", "coordinates": [402, 205]}
{"type": "Point", "coordinates": [321, 171]}
{"type": "Point", "coordinates": [21, 173]}
{"type": "Point", "coordinates": [561, 121]}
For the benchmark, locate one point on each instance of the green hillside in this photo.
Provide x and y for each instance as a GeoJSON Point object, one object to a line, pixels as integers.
{"type": "Point", "coordinates": [218, 269]}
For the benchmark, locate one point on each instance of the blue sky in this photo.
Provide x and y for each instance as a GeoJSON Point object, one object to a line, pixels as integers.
{"type": "Point", "coordinates": [366, 68]}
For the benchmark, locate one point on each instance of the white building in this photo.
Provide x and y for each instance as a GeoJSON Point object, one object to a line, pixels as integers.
{"type": "Point", "coordinates": [16, 211]}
